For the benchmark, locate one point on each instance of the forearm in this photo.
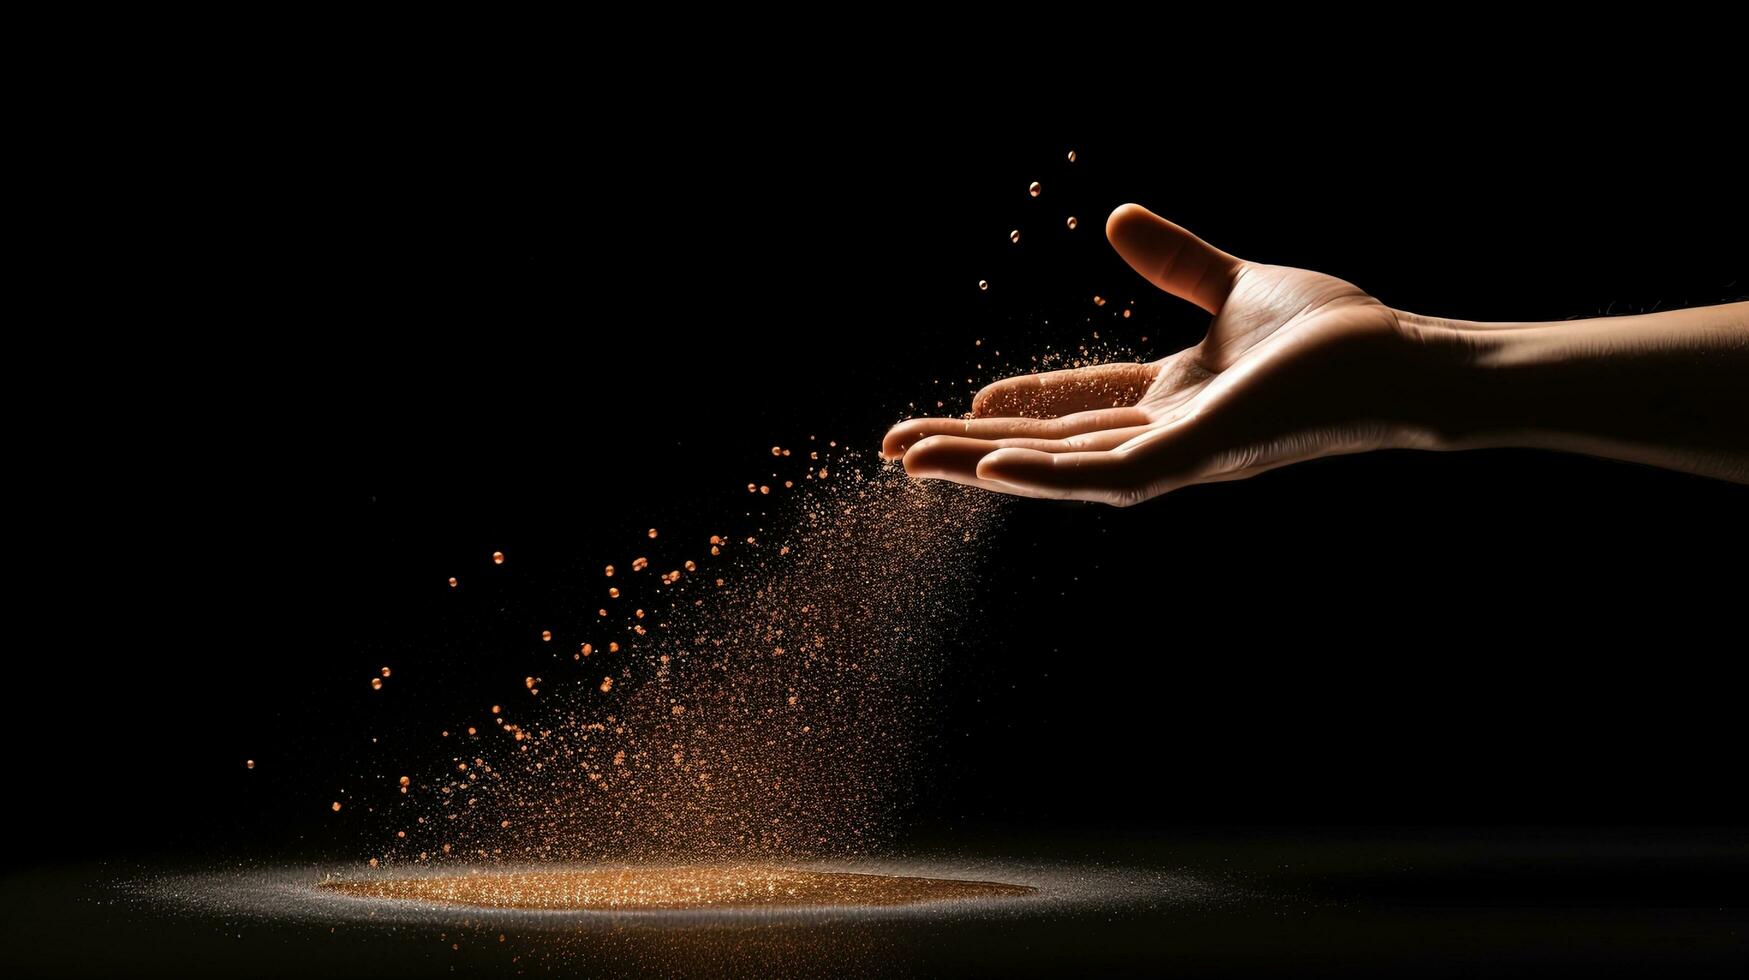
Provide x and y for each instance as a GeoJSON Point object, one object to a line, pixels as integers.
{"type": "Point", "coordinates": [1668, 389]}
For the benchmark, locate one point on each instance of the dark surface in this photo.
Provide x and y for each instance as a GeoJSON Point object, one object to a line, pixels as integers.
{"type": "Point", "coordinates": [364, 338]}
{"type": "Point", "coordinates": [1436, 903]}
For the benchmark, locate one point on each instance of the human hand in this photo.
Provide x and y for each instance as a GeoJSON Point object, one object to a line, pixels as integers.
{"type": "Point", "coordinates": [1296, 365]}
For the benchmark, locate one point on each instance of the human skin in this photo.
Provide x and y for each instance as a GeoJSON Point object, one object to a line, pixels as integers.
{"type": "Point", "coordinates": [1297, 365]}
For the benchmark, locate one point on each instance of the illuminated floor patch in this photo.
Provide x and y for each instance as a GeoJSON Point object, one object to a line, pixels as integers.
{"type": "Point", "coordinates": [675, 889]}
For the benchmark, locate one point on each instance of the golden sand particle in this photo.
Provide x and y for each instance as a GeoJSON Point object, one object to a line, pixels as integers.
{"type": "Point", "coordinates": [452, 582]}
{"type": "Point", "coordinates": [495, 709]}
{"type": "Point", "coordinates": [405, 781]}
{"type": "Point", "coordinates": [983, 284]}
{"type": "Point", "coordinates": [497, 557]}
{"type": "Point", "coordinates": [1034, 189]}
{"type": "Point", "coordinates": [446, 848]}
{"type": "Point", "coordinates": [401, 834]}
{"type": "Point", "coordinates": [1072, 222]}
{"type": "Point", "coordinates": [588, 649]}
{"type": "Point", "coordinates": [764, 489]}
{"type": "Point", "coordinates": [677, 710]}
{"type": "Point", "coordinates": [546, 636]}
{"type": "Point", "coordinates": [336, 807]}
{"type": "Point", "coordinates": [638, 630]}
{"type": "Point", "coordinates": [600, 612]}
{"type": "Point", "coordinates": [639, 614]}
{"type": "Point", "coordinates": [639, 564]}
{"type": "Point", "coordinates": [691, 565]}
{"type": "Point", "coordinates": [373, 862]}
{"type": "Point", "coordinates": [472, 730]}
{"type": "Point", "coordinates": [1071, 156]}
{"type": "Point", "coordinates": [751, 540]}
{"type": "Point", "coordinates": [386, 672]}
{"type": "Point", "coordinates": [777, 450]}
{"type": "Point", "coordinates": [719, 583]}
{"type": "Point", "coordinates": [788, 483]}
{"type": "Point", "coordinates": [716, 539]}
{"type": "Point", "coordinates": [619, 758]}
{"type": "Point", "coordinates": [610, 571]}
{"type": "Point", "coordinates": [606, 684]}
{"type": "Point", "coordinates": [376, 683]}
{"type": "Point", "coordinates": [716, 550]}
{"type": "Point", "coordinates": [752, 488]}
{"type": "Point", "coordinates": [248, 763]}
{"type": "Point", "coordinates": [1014, 236]}
{"type": "Point", "coordinates": [613, 593]}
{"type": "Point", "coordinates": [1099, 301]}
{"type": "Point", "coordinates": [783, 550]}
{"type": "Point", "coordinates": [613, 647]}
{"type": "Point", "coordinates": [1126, 314]}
{"type": "Point", "coordinates": [528, 682]}
{"type": "Point", "coordinates": [822, 472]}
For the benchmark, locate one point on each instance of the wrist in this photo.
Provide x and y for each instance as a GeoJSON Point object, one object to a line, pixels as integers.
{"type": "Point", "coordinates": [1454, 397]}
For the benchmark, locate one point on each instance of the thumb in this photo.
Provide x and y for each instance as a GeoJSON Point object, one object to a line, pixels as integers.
{"type": "Point", "coordinates": [1172, 258]}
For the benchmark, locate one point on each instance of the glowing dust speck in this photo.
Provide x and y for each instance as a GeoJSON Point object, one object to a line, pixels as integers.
{"type": "Point", "coordinates": [546, 636]}
{"type": "Point", "coordinates": [1072, 222]}
{"type": "Point", "coordinates": [1071, 156]}
{"type": "Point", "coordinates": [336, 806]}
{"type": "Point", "coordinates": [452, 581]}
{"type": "Point", "coordinates": [983, 284]}
{"type": "Point", "coordinates": [606, 684]}
{"type": "Point", "coordinates": [652, 532]}
{"type": "Point", "coordinates": [1099, 301]}
{"type": "Point", "coordinates": [376, 683]}
{"type": "Point", "coordinates": [1034, 189]}
{"type": "Point", "coordinates": [497, 557]}
{"type": "Point", "coordinates": [249, 763]}
{"type": "Point", "coordinates": [1014, 236]}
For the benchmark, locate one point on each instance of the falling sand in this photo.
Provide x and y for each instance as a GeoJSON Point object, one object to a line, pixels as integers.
{"type": "Point", "coordinates": [673, 888]}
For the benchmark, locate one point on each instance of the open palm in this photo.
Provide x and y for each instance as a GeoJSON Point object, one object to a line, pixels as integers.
{"type": "Point", "coordinates": [1296, 365]}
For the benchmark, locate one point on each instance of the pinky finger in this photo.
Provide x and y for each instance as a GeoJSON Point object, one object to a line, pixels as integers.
{"type": "Point", "coordinates": [1110, 477]}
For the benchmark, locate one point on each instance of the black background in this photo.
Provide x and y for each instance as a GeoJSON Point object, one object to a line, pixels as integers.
{"type": "Point", "coordinates": [364, 341]}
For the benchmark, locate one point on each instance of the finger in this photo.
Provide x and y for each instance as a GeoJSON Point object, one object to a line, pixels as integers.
{"type": "Point", "coordinates": [1172, 258]}
{"type": "Point", "coordinates": [907, 434]}
{"type": "Point", "coordinates": [1108, 477]}
{"type": "Point", "coordinates": [1056, 393]}
{"type": "Point", "coordinates": [956, 457]}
